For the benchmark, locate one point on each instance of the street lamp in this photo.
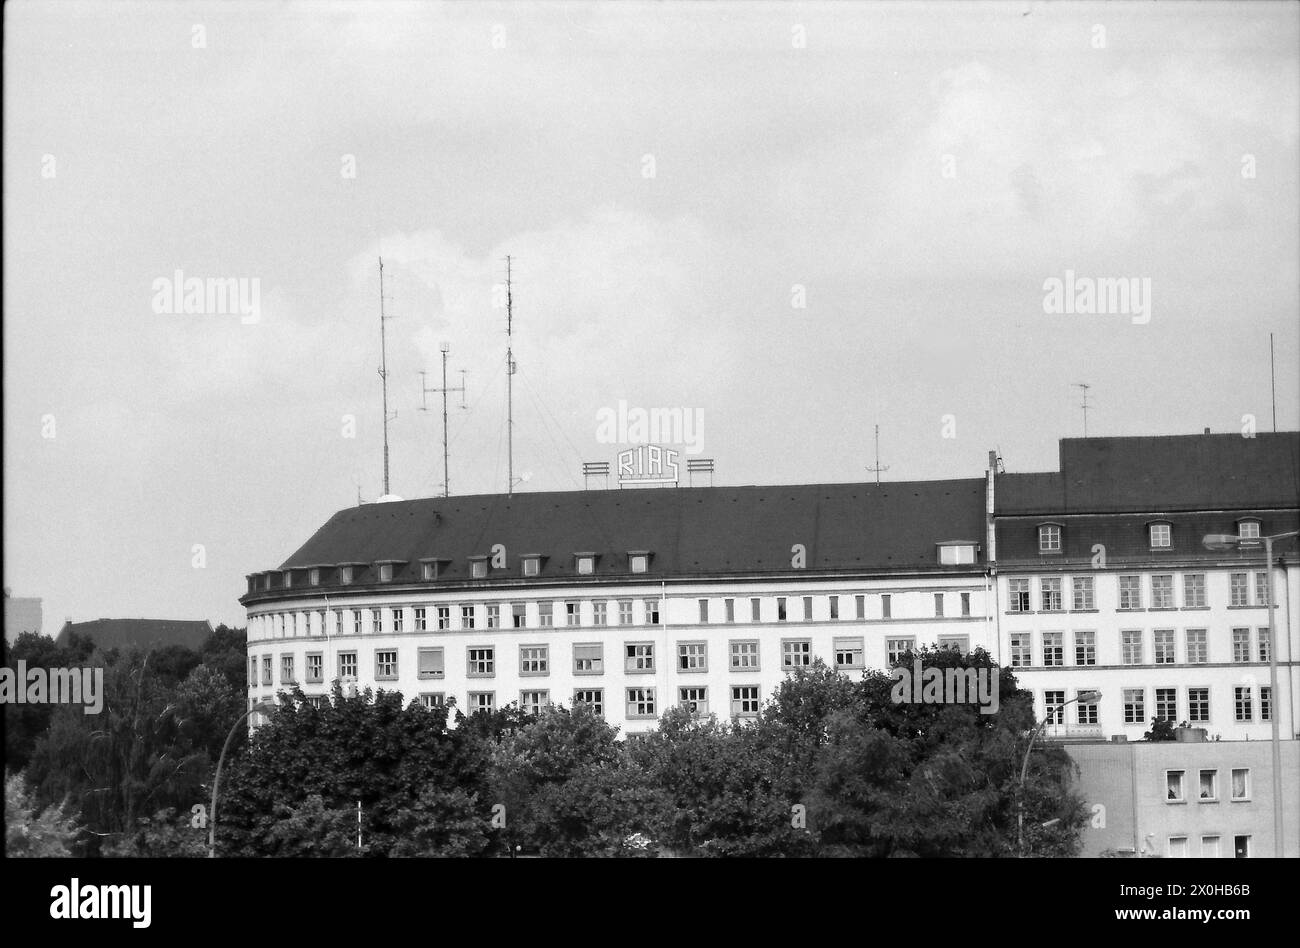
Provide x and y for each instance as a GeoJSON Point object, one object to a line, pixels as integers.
{"type": "Point", "coordinates": [1231, 541]}
{"type": "Point", "coordinates": [1088, 697]}
{"type": "Point", "coordinates": [263, 707]}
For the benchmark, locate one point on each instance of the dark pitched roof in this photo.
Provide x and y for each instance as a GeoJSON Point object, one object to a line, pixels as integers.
{"type": "Point", "coordinates": [145, 633]}
{"type": "Point", "coordinates": [1167, 473]}
{"type": "Point", "coordinates": [690, 530]}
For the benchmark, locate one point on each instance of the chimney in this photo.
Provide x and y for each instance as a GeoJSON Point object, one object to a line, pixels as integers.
{"type": "Point", "coordinates": [1207, 431]}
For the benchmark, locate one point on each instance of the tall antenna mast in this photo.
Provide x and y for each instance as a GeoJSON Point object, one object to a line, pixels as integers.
{"type": "Point", "coordinates": [383, 367]}
{"type": "Point", "coordinates": [878, 468]}
{"type": "Point", "coordinates": [1272, 378]}
{"type": "Point", "coordinates": [425, 390]}
{"type": "Point", "coordinates": [1084, 386]}
{"type": "Point", "coordinates": [510, 371]}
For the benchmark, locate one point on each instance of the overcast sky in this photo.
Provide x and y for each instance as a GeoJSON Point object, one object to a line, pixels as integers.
{"type": "Point", "coordinates": [665, 177]}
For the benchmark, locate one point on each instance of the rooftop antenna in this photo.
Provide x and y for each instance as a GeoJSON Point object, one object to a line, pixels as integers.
{"type": "Point", "coordinates": [1272, 378]}
{"type": "Point", "coordinates": [383, 368]}
{"type": "Point", "coordinates": [425, 390]}
{"type": "Point", "coordinates": [510, 371]}
{"type": "Point", "coordinates": [1084, 386]}
{"type": "Point", "coordinates": [877, 469]}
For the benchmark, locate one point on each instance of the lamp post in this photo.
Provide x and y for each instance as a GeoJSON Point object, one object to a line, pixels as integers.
{"type": "Point", "coordinates": [1232, 541]}
{"type": "Point", "coordinates": [1085, 696]}
{"type": "Point", "coordinates": [261, 707]}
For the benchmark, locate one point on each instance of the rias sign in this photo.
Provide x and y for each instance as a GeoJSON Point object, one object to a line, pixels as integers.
{"type": "Point", "coordinates": [647, 465]}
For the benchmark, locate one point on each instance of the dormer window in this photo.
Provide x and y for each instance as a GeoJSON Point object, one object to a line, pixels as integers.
{"type": "Point", "coordinates": [1248, 529]}
{"type": "Point", "coordinates": [1049, 538]}
{"type": "Point", "coordinates": [385, 572]}
{"type": "Point", "coordinates": [431, 567]}
{"type": "Point", "coordinates": [266, 581]}
{"type": "Point", "coordinates": [313, 576]}
{"type": "Point", "coordinates": [288, 578]}
{"type": "Point", "coordinates": [345, 575]}
{"type": "Point", "coordinates": [532, 564]}
{"type": "Point", "coordinates": [478, 567]}
{"type": "Point", "coordinates": [956, 553]}
{"type": "Point", "coordinates": [638, 561]}
{"type": "Point", "coordinates": [586, 563]}
{"type": "Point", "coordinates": [1160, 535]}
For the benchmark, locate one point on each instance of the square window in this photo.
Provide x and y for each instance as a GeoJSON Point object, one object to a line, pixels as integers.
{"type": "Point", "coordinates": [1177, 847]}
{"type": "Point", "coordinates": [482, 702]}
{"type": "Point", "coordinates": [640, 702]}
{"type": "Point", "coordinates": [694, 699]}
{"type": "Point", "coordinates": [1049, 538]}
{"type": "Point", "coordinates": [1160, 533]}
{"type": "Point", "coordinates": [347, 664]}
{"type": "Point", "coordinates": [431, 662]}
{"type": "Point", "coordinates": [639, 657]}
{"type": "Point", "coordinates": [744, 655]}
{"type": "Point", "coordinates": [955, 643]}
{"type": "Point", "coordinates": [532, 702]}
{"type": "Point", "coordinates": [594, 698]}
{"type": "Point", "coordinates": [796, 653]}
{"type": "Point", "coordinates": [692, 657]}
{"type": "Point", "coordinates": [586, 565]}
{"type": "Point", "coordinates": [848, 653]}
{"type": "Point", "coordinates": [433, 699]}
{"type": "Point", "coordinates": [386, 663]}
{"type": "Point", "coordinates": [896, 649]}
{"type": "Point", "coordinates": [481, 661]}
{"type": "Point", "coordinates": [1209, 847]}
{"type": "Point", "coordinates": [385, 572]}
{"type": "Point", "coordinates": [478, 569]}
{"type": "Point", "coordinates": [532, 566]}
{"type": "Point", "coordinates": [1248, 529]}
{"type": "Point", "coordinates": [744, 701]}
{"type": "Point", "coordinates": [639, 562]}
{"type": "Point", "coordinates": [534, 660]}
{"type": "Point", "coordinates": [589, 659]}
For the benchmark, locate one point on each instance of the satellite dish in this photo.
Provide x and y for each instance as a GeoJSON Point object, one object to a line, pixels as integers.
{"type": "Point", "coordinates": [388, 499]}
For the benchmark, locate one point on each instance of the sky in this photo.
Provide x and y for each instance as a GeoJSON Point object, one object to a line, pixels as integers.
{"type": "Point", "coordinates": [792, 221]}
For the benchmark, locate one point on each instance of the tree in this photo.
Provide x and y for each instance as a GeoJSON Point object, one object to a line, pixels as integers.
{"type": "Point", "coordinates": [48, 833]}
{"type": "Point", "coordinates": [1161, 730]}
{"type": "Point", "coordinates": [226, 651]}
{"type": "Point", "coordinates": [167, 834]}
{"type": "Point", "coordinates": [24, 723]}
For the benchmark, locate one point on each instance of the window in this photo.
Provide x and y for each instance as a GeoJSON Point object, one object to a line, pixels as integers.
{"type": "Point", "coordinates": [1241, 783]}
{"type": "Point", "coordinates": [956, 554]}
{"type": "Point", "coordinates": [1053, 711]}
{"type": "Point", "coordinates": [639, 657]}
{"type": "Point", "coordinates": [1175, 791]}
{"type": "Point", "coordinates": [386, 663]}
{"type": "Point", "coordinates": [754, 610]}
{"type": "Point", "coordinates": [625, 612]}
{"type": "Point", "coordinates": [313, 577]}
{"type": "Point", "coordinates": [1248, 529]}
{"type": "Point", "coordinates": [315, 668]}
{"type": "Point", "coordinates": [1198, 705]}
{"type": "Point", "coordinates": [1085, 648]}
{"type": "Point", "coordinates": [429, 570]}
{"type": "Point", "coordinates": [639, 562]}
{"type": "Point", "coordinates": [443, 614]}
{"type": "Point", "coordinates": [347, 664]}
{"type": "Point", "coordinates": [252, 671]}
{"type": "Point", "coordinates": [338, 622]}
{"type": "Point", "coordinates": [886, 606]}
{"type": "Point", "coordinates": [807, 608]}
{"type": "Point", "coordinates": [780, 608]}
{"type": "Point", "coordinates": [399, 617]}
{"type": "Point", "coordinates": [1021, 650]}
{"type": "Point", "coordinates": [546, 614]}
{"type": "Point", "coordinates": [266, 670]}
{"type": "Point", "coordinates": [1243, 704]}
{"type": "Point", "coordinates": [640, 702]}
{"type": "Point", "coordinates": [586, 565]}
{"type": "Point", "coordinates": [286, 670]}
{"type": "Point", "coordinates": [1177, 847]}
{"type": "Point", "coordinates": [1051, 593]}
{"type": "Point", "coordinates": [1241, 847]}
{"type": "Point", "coordinates": [494, 616]}
{"type": "Point", "coordinates": [1209, 847]}
{"type": "Point", "coordinates": [1239, 594]}
{"type": "Point", "coordinates": [1053, 648]}
{"type": "Point", "coordinates": [1264, 644]}
{"type": "Point", "coordinates": [1131, 647]}
{"type": "Point", "coordinates": [1163, 641]}
{"type": "Point", "coordinates": [744, 656]}
{"type": "Point", "coordinates": [518, 614]}
{"type": "Point", "coordinates": [729, 607]}
{"type": "Point", "coordinates": [345, 575]}
{"type": "Point", "coordinates": [1167, 704]}
{"type": "Point", "coordinates": [692, 657]}
{"type": "Point", "coordinates": [1049, 538]}
{"type": "Point", "coordinates": [376, 621]}
{"type": "Point", "coordinates": [955, 643]}
{"type": "Point", "coordinates": [1208, 786]}
{"type": "Point", "coordinates": [695, 700]}
{"type": "Point", "coordinates": [433, 699]}
{"type": "Point", "coordinates": [1085, 711]}
{"type": "Point", "coordinates": [896, 649]}
{"type": "Point", "coordinates": [532, 702]}
{"type": "Point", "coordinates": [1130, 592]}
{"type": "Point", "coordinates": [534, 660]}
{"type": "Point", "coordinates": [744, 700]}
{"type": "Point", "coordinates": [965, 604]}
{"type": "Point", "coordinates": [589, 659]}
{"type": "Point", "coordinates": [481, 661]}
{"type": "Point", "coordinates": [1018, 595]}
{"type": "Point", "coordinates": [467, 617]}
{"type": "Point", "coordinates": [860, 607]}
{"type": "Point", "coordinates": [431, 663]}
{"type": "Point", "coordinates": [571, 613]}
{"type": "Point", "coordinates": [600, 613]}
{"type": "Point", "coordinates": [385, 572]}
{"type": "Point", "coordinates": [835, 606]}
{"type": "Point", "coordinates": [938, 605]}
{"type": "Point", "coordinates": [1162, 591]}
{"type": "Point", "coordinates": [1261, 589]}
{"type": "Point", "coordinates": [848, 653]}
{"type": "Point", "coordinates": [1159, 533]}
{"type": "Point", "coordinates": [1265, 703]}
{"type": "Point", "coordinates": [532, 565]}
{"type": "Point", "coordinates": [421, 620]}
{"type": "Point", "coordinates": [1194, 591]}
{"type": "Point", "coordinates": [482, 701]}
{"type": "Point", "coordinates": [1197, 647]}
{"type": "Point", "coordinates": [796, 653]}
{"type": "Point", "coordinates": [1135, 711]}
{"type": "Point", "coordinates": [1241, 645]}
{"type": "Point", "coordinates": [652, 611]}
{"type": "Point", "coordinates": [478, 568]}
{"type": "Point", "coordinates": [593, 698]}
